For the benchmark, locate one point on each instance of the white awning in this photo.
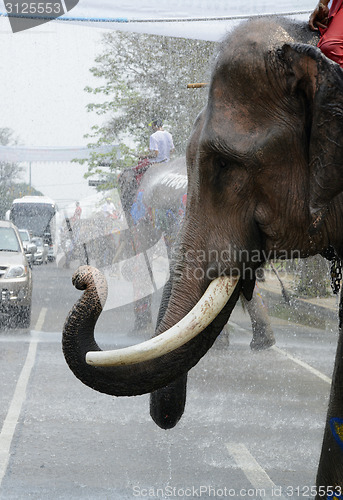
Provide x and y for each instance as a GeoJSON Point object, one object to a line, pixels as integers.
{"type": "Point", "coordinates": [18, 154]}
{"type": "Point", "coordinates": [197, 19]}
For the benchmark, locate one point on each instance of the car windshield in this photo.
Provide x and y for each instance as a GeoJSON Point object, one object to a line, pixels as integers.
{"type": "Point", "coordinates": [34, 217]}
{"type": "Point", "coordinates": [8, 240]}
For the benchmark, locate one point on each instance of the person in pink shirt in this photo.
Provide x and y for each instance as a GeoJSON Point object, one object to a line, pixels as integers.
{"type": "Point", "coordinates": [329, 22]}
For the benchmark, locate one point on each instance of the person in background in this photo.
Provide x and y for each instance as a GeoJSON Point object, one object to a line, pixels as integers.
{"type": "Point", "coordinates": [75, 221]}
{"type": "Point", "coordinates": [161, 143]}
{"type": "Point", "coordinates": [329, 22]}
{"type": "Point", "coordinates": [108, 208]}
{"type": "Point", "coordinates": [78, 212]}
{"type": "Point", "coordinates": [161, 146]}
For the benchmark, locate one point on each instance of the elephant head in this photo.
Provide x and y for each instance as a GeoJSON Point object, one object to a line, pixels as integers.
{"type": "Point", "coordinates": [264, 159]}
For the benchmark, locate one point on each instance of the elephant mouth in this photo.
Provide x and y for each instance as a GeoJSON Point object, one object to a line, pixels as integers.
{"type": "Point", "coordinates": [203, 313]}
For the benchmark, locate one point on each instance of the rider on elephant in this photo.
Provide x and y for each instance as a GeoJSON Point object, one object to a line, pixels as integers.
{"type": "Point", "coordinates": [161, 146]}
{"type": "Point", "coordinates": [161, 143]}
{"type": "Point", "coordinates": [330, 24]}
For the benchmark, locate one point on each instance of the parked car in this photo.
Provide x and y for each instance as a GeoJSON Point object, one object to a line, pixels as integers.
{"type": "Point", "coordinates": [15, 277]}
{"type": "Point", "coordinates": [29, 247]}
{"type": "Point", "coordinates": [41, 253]}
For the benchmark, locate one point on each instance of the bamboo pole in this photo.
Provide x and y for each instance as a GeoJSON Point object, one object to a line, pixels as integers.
{"type": "Point", "coordinates": [196, 85]}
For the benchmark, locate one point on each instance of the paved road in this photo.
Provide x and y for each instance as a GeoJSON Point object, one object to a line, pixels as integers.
{"type": "Point", "coordinates": [253, 421]}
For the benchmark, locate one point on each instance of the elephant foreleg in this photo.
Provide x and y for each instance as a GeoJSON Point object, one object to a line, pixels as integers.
{"type": "Point", "coordinates": [263, 336]}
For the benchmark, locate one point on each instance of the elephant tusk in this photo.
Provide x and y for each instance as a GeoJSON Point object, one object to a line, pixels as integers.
{"type": "Point", "coordinates": [203, 313]}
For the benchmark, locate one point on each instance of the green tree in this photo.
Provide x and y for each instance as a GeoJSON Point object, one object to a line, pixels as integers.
{"type": "Point", "coordinates": [145, 77]}
{"type": "Point", "coordinates": [10, 188]}
{"type": "Point", "coordinates": [312, 277]}
{"type": "Point", "coordinates": [9, 173]}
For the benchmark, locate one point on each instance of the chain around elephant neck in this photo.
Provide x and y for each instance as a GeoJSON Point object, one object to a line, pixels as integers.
{"type": "Point", "coordinates": [336, 274]}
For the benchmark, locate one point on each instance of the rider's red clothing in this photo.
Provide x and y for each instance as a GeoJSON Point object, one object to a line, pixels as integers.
{"type": "Point", "coordinates": [336, 5]}
{"type": "Point", "coordinates": [331, 40]}
{"type": "Point", "coordinates": [142, 167]}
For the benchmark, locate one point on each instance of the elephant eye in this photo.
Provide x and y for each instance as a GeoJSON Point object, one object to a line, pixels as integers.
{"type": "Point", "coordinates": [222, 162]}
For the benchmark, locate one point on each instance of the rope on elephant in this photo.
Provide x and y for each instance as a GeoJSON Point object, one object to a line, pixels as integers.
{"type": "Point", "coordinates": [157, 20]}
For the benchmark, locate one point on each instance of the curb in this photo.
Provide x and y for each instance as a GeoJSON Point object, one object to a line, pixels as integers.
{"type": "Point", "coordinates": [275, 300]}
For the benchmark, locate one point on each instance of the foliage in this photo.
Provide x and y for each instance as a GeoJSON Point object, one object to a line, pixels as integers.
{"type": "Point", "coordinates": [107, 167]}
{"type": "Point", "coordinates": [9, 176]}
{"type": "Point", "coordinates": [307, 278]}
{"type": "Point", "coordinates": [312, 277]}
{"type": "Point", "coordinates": [145, 77]}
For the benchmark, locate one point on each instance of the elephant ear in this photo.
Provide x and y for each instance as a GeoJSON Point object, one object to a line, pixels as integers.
{"type": "Point", "coordinates": [321, 79]}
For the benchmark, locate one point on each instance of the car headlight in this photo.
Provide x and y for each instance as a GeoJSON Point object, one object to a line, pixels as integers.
{"type": "Point", "coordinates": [16, 272]}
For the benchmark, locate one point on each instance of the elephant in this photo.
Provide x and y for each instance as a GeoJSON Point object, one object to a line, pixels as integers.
{"type": "Point", "coordinates": [155, 207]}
{"type": "Point", "coordinates": [264, 167]}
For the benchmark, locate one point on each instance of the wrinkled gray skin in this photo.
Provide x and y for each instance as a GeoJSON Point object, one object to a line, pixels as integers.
{"type": "Point", "coordinates": [264, 167]}
{"type": "Point", "coordinates": [163, 189]}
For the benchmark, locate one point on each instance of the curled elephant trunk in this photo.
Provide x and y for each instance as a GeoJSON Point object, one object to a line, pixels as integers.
{"type": "Point", "coordinates": [153, 364]}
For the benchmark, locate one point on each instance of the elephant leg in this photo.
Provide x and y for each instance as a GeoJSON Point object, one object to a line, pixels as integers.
{"type": "Point", "coordinates": [167, 404]}
{"type": "Point", "coordinates": [223, 340]}
{"type": "Point", "coordinates": [263, 336]}
{"type": "Point", "coordinates": [142, 313]}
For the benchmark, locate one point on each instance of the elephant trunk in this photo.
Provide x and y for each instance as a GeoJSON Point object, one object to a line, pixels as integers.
{"type": "Point", "coordinates": [138, 377]}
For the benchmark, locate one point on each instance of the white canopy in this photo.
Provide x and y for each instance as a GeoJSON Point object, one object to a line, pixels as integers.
{"type": "Point", "coordinates": [18, 154]}
{"type": "Point", "coordinates": [199, 19]}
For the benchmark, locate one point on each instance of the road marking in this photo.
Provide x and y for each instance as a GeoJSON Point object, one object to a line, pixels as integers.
{"type": "Point", "coordinates": [41, 319]}
{"type": "Point", "coordinates": [252, 470]}
{"type": "Point", "coordinates": [13, 414]}
{"type": "Point", "coordinates": [298, 361]}
{"type": "Point", "coordinates": [308, 367]}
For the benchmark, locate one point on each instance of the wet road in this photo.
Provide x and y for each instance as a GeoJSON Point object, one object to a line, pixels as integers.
{"type": "Point", "coordinates": [252, 427]}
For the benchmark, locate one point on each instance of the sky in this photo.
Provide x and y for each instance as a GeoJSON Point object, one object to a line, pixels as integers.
{"type": "Point", "coordinates": [43, 75]}
{"type": "Point", "coordinates": [44, 71]}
